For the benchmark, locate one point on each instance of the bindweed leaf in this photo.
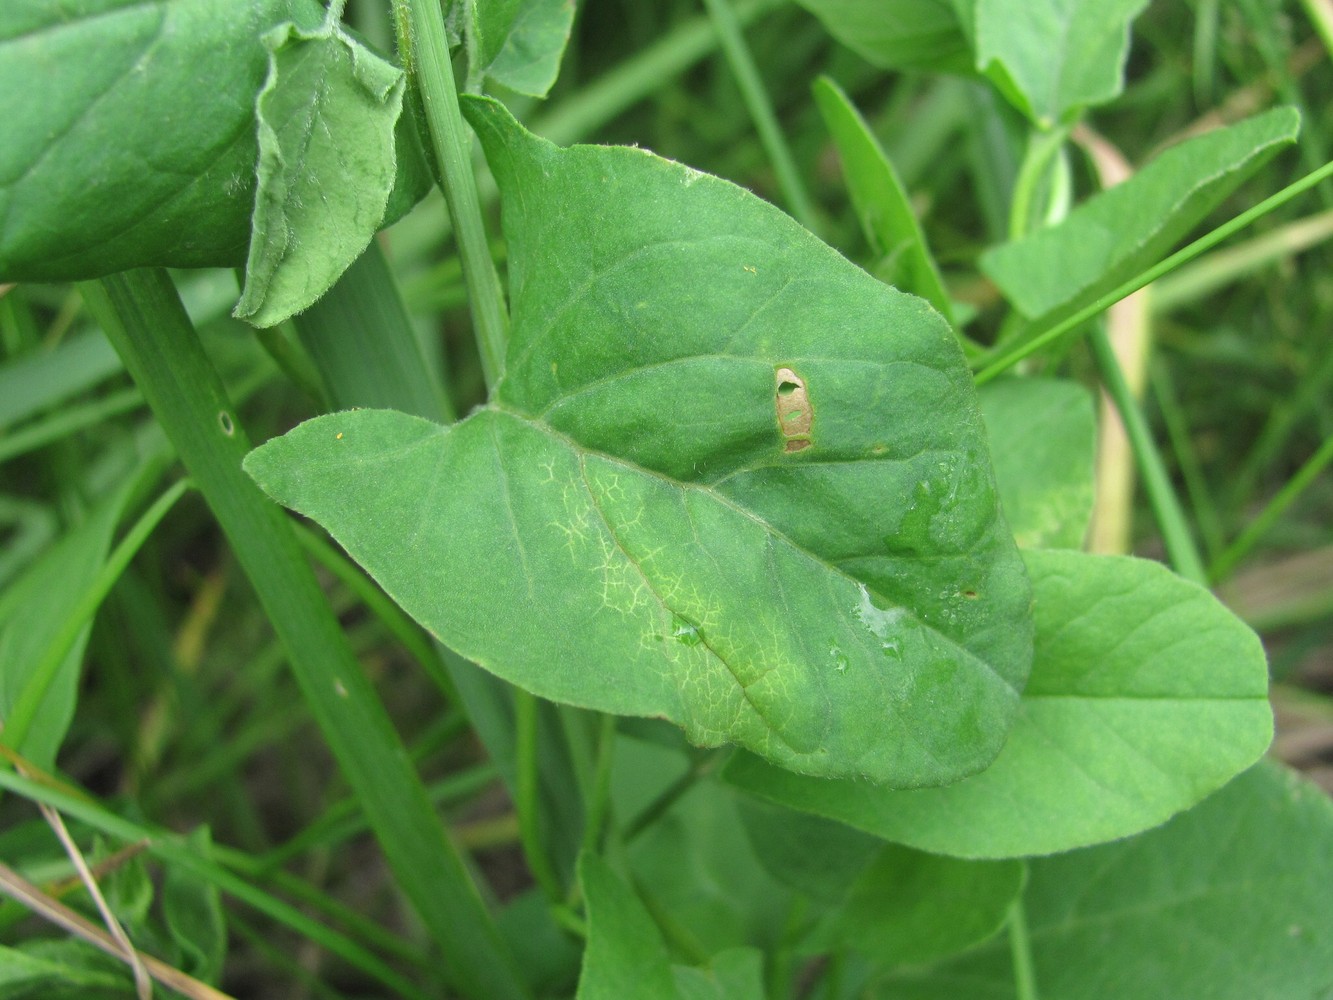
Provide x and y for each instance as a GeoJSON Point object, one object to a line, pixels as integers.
{"type": "Point", "coordinates": [1053, 272]}
{"type": "Point", "coordinates": [1051, 58]}
{"type": "Point", "coordinates": [1043, 436]}
{"type": "Point", "coordinates": [1227, 901]}
{"type": "Point", "coordinates": [522, 42]}
{"type": "Point", "coordinates": [326, 166]}
{"type": "Point", "coordinates": [1146, 695]}
{"type": "Point", "coordinates": [626, 956]}
{"type": "Point", "coordinates": [728, 478]}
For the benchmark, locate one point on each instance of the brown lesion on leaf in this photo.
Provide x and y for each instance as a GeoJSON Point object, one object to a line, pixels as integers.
{"type": "Point", "coordinates": [796, 416]}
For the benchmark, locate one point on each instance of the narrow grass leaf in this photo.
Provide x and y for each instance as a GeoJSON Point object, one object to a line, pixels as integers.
{"type": "Point", "coordinates": [900, 34]}
{"type": "Point", "coordinates": [1043, 438]}
{"type": "Point", "coordinates": [882, 205]}
{"type": "Point", "coordinates": [1051, 58]}
{"type": "Point", "coordinates": [1227, 901]}
{"type": "Point", "coordinates": [326, 117]}
{"type": "Point", "coordinates": [729, 479]}
{"type": "Point", "coordinates": [1053, 272]}
{"type": "Point", "coordinates": [1146, 695]}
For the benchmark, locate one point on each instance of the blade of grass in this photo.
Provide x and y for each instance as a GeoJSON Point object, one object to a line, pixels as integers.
{"type": "Point", "coordinates": [1182, 256]}
{"type": "Point", "coordinates": [169, 849]}
{"type": "Point", "coordinates": [1265, 519]}
{"type": "Point", "coordinates": [362, 342]}
{"type": "Point", "coordinates": [757, 103]}
{"type": "Point", "coordinates": [1187, 458]}
{"type": "Point", "coordinates": [65, 421]}
{"type": "Point", "coordinates": [34, 692]}
{"type": "Point", "coordinates": [1180, 545]}
{"type": "Point", "coordinates": [142, 315]}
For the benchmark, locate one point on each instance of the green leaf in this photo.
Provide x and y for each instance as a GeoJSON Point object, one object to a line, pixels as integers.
{"type": "Point", "coordinates": [820, 857]}
{"type": "Point", "coordinates": [115, 155]}
{"type": "Point", "coordinates": [882, 205]}
{"type": "Point", "coordinates": [326, 120]}
{"type": "Point", "coordinates": [1051, 273]}
{"type": "Point", "coordinates": [1228, 901]}
{"type": "Point", "coordinates": [1051, 58]}
{"type": "Point", "coordinates": [1043, 437]}
{"type": "Point", "coordinates": [192, 911]}
{"type": "Point", "coordinates": [909, 907]}
{"type": "Point", "coordinates": [1146, 695]}
{"type": "Point", "coordinates": [626, 956]}
{"type": "Point", "coordinates": [522, 42]}
{"type": "Point", "coordinates": [33, 613]}
{"type": "Point", "coordinates": [58, 969]}
{"type": "Point", "coordinates": [735, 974]}
{"type": "Point", "coordinates": [729, 479]}
{"type": "Point", "coordinates": [899, 34]}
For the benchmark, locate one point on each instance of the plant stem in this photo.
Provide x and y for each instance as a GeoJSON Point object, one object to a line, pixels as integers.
{"type": "Point", "coordinates": [527, 789]}
{"type": "Point", "coordinates": [143, 317]}
{"type": "Point", "coordinates": [761, 111]}
{"type": "Point", "coordinates": [1260, 525]}
{"type": "Point", "coordinates": [430, 67]}
{"type": "Point", "coordinates": [1147, 277]}
{"type": "Point", "coordinates": [1020, 948]}
{"type": "Point", "coordinates": [34, 692]}
{"type": "Point", "coordinates": [1041, 150]}
{"type": "Point", "coordinates": [1166, 505]}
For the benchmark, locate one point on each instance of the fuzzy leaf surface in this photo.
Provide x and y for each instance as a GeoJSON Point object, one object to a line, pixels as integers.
{"type": "Point", "coordinates": [1116, 234]}
{"type": "Point", "coordinates": [1227, 901]}
{"type": "Point", "coordinates": [1043, 437]}
{"type": "Point", "coordinates": [1146, 695]}
{"type": "Point", "coordinates": [327, 164]}
{"type": "Point", "coordinates": [728, 478]}
{"type": "Point", "coordinates": [1052, 57]}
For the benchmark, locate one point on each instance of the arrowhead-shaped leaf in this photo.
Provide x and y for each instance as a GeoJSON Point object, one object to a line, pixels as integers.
{"type": "Point", "coordinates": [1146, 695]}
{"type": "Point", "coordinates": [728, 478]}
{"type": "Point", "coordinates": [1228, 901]}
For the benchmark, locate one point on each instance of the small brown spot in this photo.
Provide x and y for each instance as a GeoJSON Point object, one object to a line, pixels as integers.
{"type": "Point", "coordinates": [970, 594]}
{"type": "Point", "coordinates": [796, 417]}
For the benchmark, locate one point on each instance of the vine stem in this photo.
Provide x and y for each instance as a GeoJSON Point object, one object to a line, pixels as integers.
{"type": "Point", "coordinates": [425, 49]}
{"type": "Point", "coordinates": [1020, 948]}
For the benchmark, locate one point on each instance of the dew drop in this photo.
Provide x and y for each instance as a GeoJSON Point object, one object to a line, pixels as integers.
{"type": "Point", "coordinates": [684, 632]}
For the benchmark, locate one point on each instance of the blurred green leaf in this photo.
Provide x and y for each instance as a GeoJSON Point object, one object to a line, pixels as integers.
{"type": "Point", "coordinates": [736, 974]}
{"type": "Point", "coordinates": [1146, 695]}
{"type": "Point", "coordinates": [1051, 58]}
{"type": "Point", "coordinates": [192, 912]}
{"type": "Point", "coordinates": [1053, 272]}
{"type": "Point", "coordinates": [715, 491]}
{"type": "Point", "coordinates": [1228, 901]}
{"type": "Point", "coordinates": [900, 34]}
{"type": "Point", "coordinates": [626, 956]}
{"type": "Point", "coordinates": [522, 42]}
{"type": "Point", "coordinates": [1043, 438]}
{"type": "Point", "coordinates": [908, 907]}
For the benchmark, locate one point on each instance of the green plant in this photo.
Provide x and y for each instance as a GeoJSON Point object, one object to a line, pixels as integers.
{"type": "Point", "coordinates": [791, 664]}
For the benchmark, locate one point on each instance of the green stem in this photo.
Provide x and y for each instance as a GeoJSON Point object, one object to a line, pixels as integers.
{"type": "Point", "coordinates": [1147, 277]}
{"type": "Point", "coordinates": [432, 70]}
{"type": "Point", "coordinates": [527, 789]}
{"type": "Point", "coordinates": [1020, 949]}
{"type": "Point", "coordinates": [1042, 149]}
{"type": "Point", "coordinates": [1166, 505]}
{"type": "Point", "coordinates": [761, 111]}
{"type": "Point", "coordinates": [34, 692]}
{"type": "Point", "coordinates": [1187, 458]}
{"type": "Point", "coordinates": [1259, 527]}
{"type": "Point", "coordinates": [143, 317]}
{"type": "Point", "coordinates": [598, 801]}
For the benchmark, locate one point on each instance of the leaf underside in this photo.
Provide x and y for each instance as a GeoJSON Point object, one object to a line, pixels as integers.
{"type": "Point", "coordinates": [728, 479]}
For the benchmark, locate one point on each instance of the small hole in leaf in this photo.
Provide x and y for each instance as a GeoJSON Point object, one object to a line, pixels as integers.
{"type": "Point", "coordinates": [224, 421]}
{"type": "Point", "coordinates": [796, 417]}
{"type": "Point", "coordinates": [787, 388]}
